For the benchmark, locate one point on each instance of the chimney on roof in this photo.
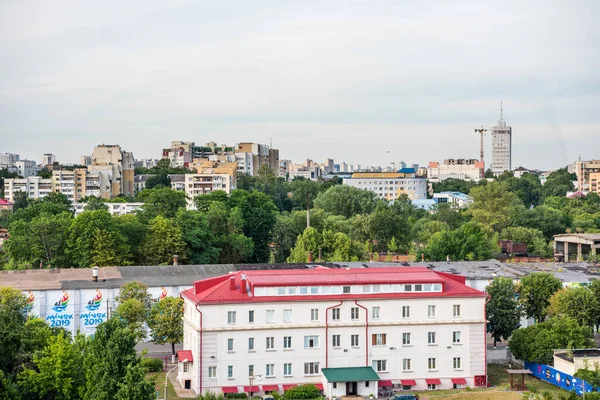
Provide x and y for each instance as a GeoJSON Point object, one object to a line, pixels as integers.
{"type": "Point", "coordinates": [422, 257]}
{"type": "Point", "coordinates": [310, 257]}
{"type": "Point", "coordinates": [320, 254]}
{"type": "Point", "coordinates": [243, 284]}
{"type": "Point", "coordinates": [175, 259]}
{"type": "Point", "coordinates": [232, 283]}
{"type": "Point", "coordinates": [95, 274]}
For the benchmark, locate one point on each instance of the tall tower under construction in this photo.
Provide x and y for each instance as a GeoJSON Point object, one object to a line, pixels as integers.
{"type": "Point", "coordinates": [501, 146]}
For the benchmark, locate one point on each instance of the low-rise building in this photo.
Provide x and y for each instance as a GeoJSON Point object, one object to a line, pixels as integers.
{"type": "Point", "coordinates": [457, 200]}
{"type": "Point", "coordinates": [413, 327]}
{"type": "Point", "coordinates": [473, 170]}
{"type": "Point", "coordinates": [6, 205]}
{"type": "Point", "coordinates": [578, 246]}
{"type": "Point", "coordinates": [390, 185]}
{"type": "Point", "coordinates": [113, 208]}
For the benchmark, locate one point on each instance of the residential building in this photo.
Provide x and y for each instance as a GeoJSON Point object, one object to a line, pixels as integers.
{"type": "Point", "coordinates": [211, 176]}
{"type": "Point", "coordinates": [36, 187]}
{"type": "Point", "coordinates": [473, 170]}
{"type": "Point", "coordinates": [414, 327]}
{"type": "Point", "coordinates": [501, 147]}
{"type": "Point", "coordinates": [390, 185]}
{"type": "Point", "coordinates": [86, 160]}
{"type": "Point", "coordinates": [8, 160]}
{"type": "Point", "coordinates": [27, 168]}
{"type": "Point", "coordinates": [284, 166]}
{"type": "Point", "coordinates": [119, 165]}
{"type": "Point", "coordinates": [48, 159]}
{"type": "Point", "coordinates": [113, 208]}
{"type": "Point", "coordinates": [179, 154]}
{"type": "Point", "coordinates": [520, 171]}
{"type": "Point", "coordinates": [457, 200]}
{"type": "Point", "coordinates": [139, 182]}
{"type": "Point", "coordinates": [177, 182]}
{"type": "Point", "coordinates": [588, 175]}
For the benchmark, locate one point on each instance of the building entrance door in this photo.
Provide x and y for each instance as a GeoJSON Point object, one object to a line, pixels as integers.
{"type": "Point", "coordinates": [351, 388]}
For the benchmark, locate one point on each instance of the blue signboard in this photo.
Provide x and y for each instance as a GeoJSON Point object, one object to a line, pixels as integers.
{"type": "Point", "coordinates": [557, 378]}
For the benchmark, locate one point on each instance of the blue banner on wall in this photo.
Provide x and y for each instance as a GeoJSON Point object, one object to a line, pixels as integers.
{"type": "Point", "coordinates": [557, 378]}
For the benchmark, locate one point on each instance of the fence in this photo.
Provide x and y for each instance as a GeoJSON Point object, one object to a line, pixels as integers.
{"type": "Point", "coordinates": [554, 377]}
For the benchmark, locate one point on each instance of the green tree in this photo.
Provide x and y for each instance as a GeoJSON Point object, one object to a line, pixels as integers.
{"type": "Point", "coordinates": [492, 205]}
{"type": "Point", "coordinates": [537, 342]}
{"type": "Point", "coordinates": [94, 203]}
{"type": "Point", "coordinates": [8, 389]}
{"type": "Point", "coordinates": [535, 292]}
{"type": "Point", "coordinates": [533, 238]}
{"type": "Point", "coordinates": [134, 306]}
{"type": "Point", "coordinates": [163, 240]}
{"type": "Point", "coordinates": [309, 240]}
{"type": "Point", "coordinates": [160, 180]}
{"type": "Point", "coordinates": [133, 231]}
{"type": "Point", "coordinates": [197, 236]}
{"type": "Point", "coordinates": [502, 310]}
{"type": "Point", "coordinates": [12, 320]}
{"type": "Point", "coordinates": [20, 200]}
{"type": "Point", "coordinates": [558, 184]}
{"type": "Point", "coordinates": [346, 200]}
{"type": "Point", "coordinates": [163, 202]}
{"type": "Point", "coordinates": [578, 303]}
{"type": "Point", "coordinates": [135, 385]}
{"type": "Point", "coordinates": [57, 374]}
{"type": "Point", "coordinates": [453, 185]}
{"type": "Point", "coordinates": [166, 321]}
{"type": "Point", "coordinates": [304, 192]}
{"type": "Point", "coordinates": [469, 242]}
{"type": "Point", "coordinates": [110, 363]}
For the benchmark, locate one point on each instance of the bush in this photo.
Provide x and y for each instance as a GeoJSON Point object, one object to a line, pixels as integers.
{"type": "Point", "coordinates": [302, 392]}
{"type": "Point", "coordinates": [236, 396]}
{"type": "Point", "coordinates": [152, 364]}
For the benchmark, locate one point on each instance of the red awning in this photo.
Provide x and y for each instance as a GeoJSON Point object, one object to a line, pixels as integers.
{"type": "Point", "coordinates": [318, 385]}
{"type": "Point", "coordinates": [408, 382]}
{"type": "Point", "coordinates": [288, 386]}
{"type": "Point", "coordinates": [248, 389]}
{"type": "Point", "coordinates": [229, 389]}
{"type": "Point", "coordinates": [459, 381]}
{"type": "Point", "coordinates": [270, 388]}
{"type": "Point", "coordinates": [385, 383]}
{"type": "Point", "coordinates": [185, 354]}
{"type": "Point", "coordinates": [433, 381]}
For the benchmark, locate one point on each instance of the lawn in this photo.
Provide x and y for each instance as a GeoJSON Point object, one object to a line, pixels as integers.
{"type": "Point", "coordinates": [160, 381]}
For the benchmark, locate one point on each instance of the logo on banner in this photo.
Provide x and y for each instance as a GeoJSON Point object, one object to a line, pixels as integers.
{"type": "Point", "coordinates": [30, 301]}
{"type": "Point", "coordinates": [61, 305]}
{"type": "Point", "coordinates": [163, 294]}
{"type": "Point", "coordinates": [95, 303]}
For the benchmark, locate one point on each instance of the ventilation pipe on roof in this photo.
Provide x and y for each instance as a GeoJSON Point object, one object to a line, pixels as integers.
{"type": "Point", "coordinates": [95, 274]}
{"type": "Point", "coordinates": [175, 259]}
{"type": "Point", "coordinates": [243, 284]}
{"type": "Point", "coordinates": [232, 283]}
{"type": "Point", "coordinates": [320, 254]}
{"type": "Point", "coordinates": [422, 257]}
{"type": "Point", "coordinates": [310, 257]}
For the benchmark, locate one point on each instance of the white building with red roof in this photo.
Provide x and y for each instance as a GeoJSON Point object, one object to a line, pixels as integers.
{"type": "Point", "coordinates": [349, 331]}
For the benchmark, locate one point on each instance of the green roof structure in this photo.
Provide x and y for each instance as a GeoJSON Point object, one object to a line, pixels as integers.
{"type": "Point", "coordinates": [350, 374]}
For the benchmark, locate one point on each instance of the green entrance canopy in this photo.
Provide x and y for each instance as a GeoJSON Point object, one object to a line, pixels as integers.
{"type": "Point", "coordinates": [350, 374]}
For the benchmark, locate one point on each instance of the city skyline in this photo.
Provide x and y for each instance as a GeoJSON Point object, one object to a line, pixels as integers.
{"type": "Point", "coordinates": [322, 80]}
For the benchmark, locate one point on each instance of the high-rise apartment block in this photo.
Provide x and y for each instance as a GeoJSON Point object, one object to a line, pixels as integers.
{"type": "Point", "coordinates": [48, 159]}
{"type": "Point", "coordinates": [8, 160]}
{"type": "Point", "coordinates": [473, 170]}
{"type": "Point", "coordinates": [119, 165]}
{"type": "Point", "coordinates": [588, 175]}
{"type": "Point", "coordinates": [27, 168]}
{"type": "Point", "coordinates": [501, 147]}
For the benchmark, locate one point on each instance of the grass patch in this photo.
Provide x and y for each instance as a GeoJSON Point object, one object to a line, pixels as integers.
{"type": "Point", "coordinates": [159, 379]}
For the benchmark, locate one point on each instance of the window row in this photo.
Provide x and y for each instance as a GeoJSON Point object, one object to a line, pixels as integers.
{"type": "Point", "coordinates": [354, 289]}
{"type": "Point", "coordinates": [336, 314]}
{"type": "Point", "coordinates": [407, 364]}
{"type": "Point", "coordinates": [311, 341]}
{"type": "Point", "coordinates": [310, 368]}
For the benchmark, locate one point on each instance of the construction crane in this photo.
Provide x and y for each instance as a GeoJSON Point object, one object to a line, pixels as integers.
{"type": "Point", "coordinates": [482, 132]}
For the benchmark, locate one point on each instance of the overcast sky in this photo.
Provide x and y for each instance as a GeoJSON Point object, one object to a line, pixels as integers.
{"type": "Point", "coordinates": [350, 80]}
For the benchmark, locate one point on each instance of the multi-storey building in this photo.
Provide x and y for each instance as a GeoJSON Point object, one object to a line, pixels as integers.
{"type": "Point", "coordinates": [588, 175]}
{"type": "Point", "coordinates": [457, 200]}
{"type": "Point", "coordinates": [412, 327]}
{"type": "Point", "coordinates": [113, 208]}
{"type": "Point", "coordinates": [27, 168]}
{"type": "Point", "coordinates": [501, 147]}
{"type": "Point", "coordinates": [48, 159]}
{"type": "Point", "coordinates": [391, 185]}
{"type": "Point", "coordinates": [8, 160]}
{"type": "Point", "coordinates": [210, 177]}
{"type": "Point", "coordinates": [36, 187]}
{"type": "Point", "coordinates": [473, 170]}
{"type": "Point", "coordinates": [119, 165]}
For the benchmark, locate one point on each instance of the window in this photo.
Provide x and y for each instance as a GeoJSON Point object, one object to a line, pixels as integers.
{"type": "Point", "coordinates": [346, 289]}
{"type": "Point", "coordinates": [251, 316]}
{"type": "Point", "coordinates": [186, 367]}
{"type": "Point", "coordinates": [406, 365]}
{"type": "Point", "coordinates": [456, 310]}
{"type": "Point", "coordinates": [270, 343]}
{"type": "Point", "coordinates": [287, 369]}
{"type": "Point", "coordinates": [270, 316]}
{"type": "Point", "coordinates": [354, 340]}
{"type": "Point", "coordinates": [456, 337]}
{"type": "Point", "coordinates": [430, 386]}
{"type": "Point", "coordinates": [431, 311]}
{"type": "Point", "coordinates": [379, 339]}
{"type": "Point", "coordinates": [287, 342]}
{"type": "Point", "coordinates": [311, 368]}
{"type": "Point", "coordinates": [380, 365]}
{"type": "Point", "coordinates": [231, 317]}
{"type": "Point", "coordinates": [311, 342]}
{"type": "Point", "coordinates": [456, 363]}
{"type": "Point", "coordinates": [405, 311]}
{"type": "Point", "coordinates": [250, 370]}
{"type": "Point", "coordinates": [430, 337]}
{"type": "Point", "coordinates": [431, 364]}
{"type": "Point", "coordinates": [354, 313]}
{"type": "Point", "coordinates": [230, 371]}
{"type": "Point", "coordinates": [335, 340]}
{"type": "Point", "coordinates": [212, 372]}
{"type": "Point", "coordinates": [335, 314]}
{"type": "Point", "coordinates": [314, 314]}
{"type": "Point", "coordinates": [408, 288]}
{"type": "Point", "coordinates": [375, 312]}
{"type": "Point", "coordinates": [287, 315]}
{"type": "Point", "coordinates": [270, 370]}
{"type": "Point", "coordinates": [251, 344]}
{"type": "Point", "coordinates": [229, 344]}
{"type": "Point", "coordinates": [406, 338]}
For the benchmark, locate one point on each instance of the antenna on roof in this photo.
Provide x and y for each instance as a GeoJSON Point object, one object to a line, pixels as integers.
{"type": "Point", "coordinates": [501, 112]}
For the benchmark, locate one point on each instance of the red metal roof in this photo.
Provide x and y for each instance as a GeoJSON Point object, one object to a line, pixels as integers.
{"type": "Point", "coordinates": [270, 388]}
{"type": "Point", "coordinates": [433, 381]}
{"type": "Point", "coordinates": [229, 389]}
{"type": "Point", "coordinates": [408, 382]}
{"type": "Point", "coordinates": [459, 381]}
{"type": "Point", "coordinates": [228, 288]}
{"type": "Point", "coordinates": [4, 202]}
{"type": "Point", "coordinates": [385, 383]}
{"type": "Point", "coordinates": [185, 354]}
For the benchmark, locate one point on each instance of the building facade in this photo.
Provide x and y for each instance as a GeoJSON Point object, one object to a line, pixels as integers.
{"type": "Point", "coordinates": [588, 175]}
{"type": "Point", "coordinates": [118, 164]}
{"type": "Point", "coordinates": [390, 185]}
{"type": "Point", "coordinates": [501, 147]}
{"type": "Point", "coordinates": [27, 168]}
{"type": "Point", "coordinates": [113, 208]}
{"type": "Point", "coordinates": [416, 328]}
{"type": "Point", "coordinates": [472, 170]}
{"type": "Point", "coordinates": [48, 159]}
{"type": "Point", "coordinates": [457, 200]}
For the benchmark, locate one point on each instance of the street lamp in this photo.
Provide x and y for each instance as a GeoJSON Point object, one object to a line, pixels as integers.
{"type": "Point", "coordinates": [167, 375]}
{"type": "Point", "coordinates": [251, 379]}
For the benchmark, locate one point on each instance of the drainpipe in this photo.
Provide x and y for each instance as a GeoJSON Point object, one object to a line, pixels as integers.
{"type": "Point", "coordinates": [366, 332]}
{"type": "Point", "coordinates": [485, 337]}
{"type": "Point", "coordinates": [199, 351]}
{"type": "Point", "coordinates": [327, 332]}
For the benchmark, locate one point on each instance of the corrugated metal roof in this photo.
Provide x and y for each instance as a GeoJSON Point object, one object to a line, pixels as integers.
{"type": "Point", "coordinates": [350, 374]}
